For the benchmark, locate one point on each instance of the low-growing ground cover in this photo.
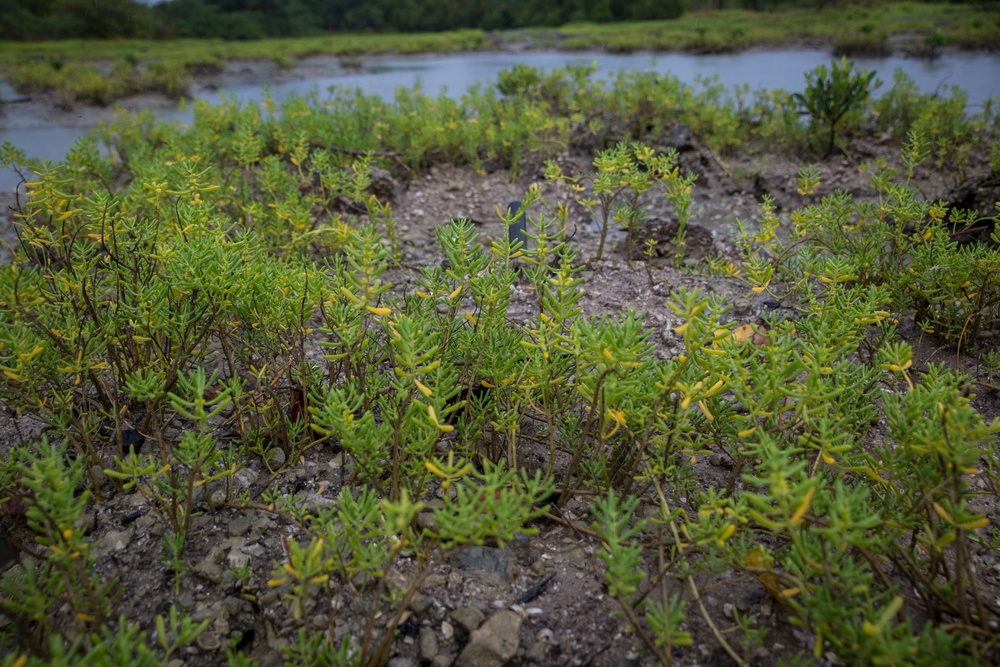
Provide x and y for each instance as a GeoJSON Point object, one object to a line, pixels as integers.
{"type": "Point", "coordinates": [268, 404]}
{"type": "Point", "coordinates": [851, 29]}
{"type": "Point", "coordinates": [102, 71]}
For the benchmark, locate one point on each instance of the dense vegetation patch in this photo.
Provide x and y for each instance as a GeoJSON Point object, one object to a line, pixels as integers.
{"type": "Point", "coordinates": [225, 292]}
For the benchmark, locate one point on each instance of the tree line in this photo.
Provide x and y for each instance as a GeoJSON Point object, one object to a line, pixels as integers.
{"type": "Point", "coordinates": [257, 19]}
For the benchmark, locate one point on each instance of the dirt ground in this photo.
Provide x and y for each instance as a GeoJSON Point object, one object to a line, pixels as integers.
{"type": "Point", "coordinates": [551, 581]}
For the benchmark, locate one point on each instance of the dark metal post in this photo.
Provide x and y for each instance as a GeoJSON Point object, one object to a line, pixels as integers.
{"type": "Point", "coordinates": [516, 230]}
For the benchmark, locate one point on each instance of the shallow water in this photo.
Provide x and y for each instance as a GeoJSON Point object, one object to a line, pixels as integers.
{"type": "Point", "coordinates": [978, 74]}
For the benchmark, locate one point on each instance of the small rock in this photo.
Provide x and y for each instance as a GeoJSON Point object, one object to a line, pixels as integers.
{"type": "Point", "coordinates": [679, 138]}
{"type": "Point", "coordinates": [383, 184]}
{"type": "Point", "coordinates": [720, 461]}
{"type": "Point", "coordinates": [493, 644]}
{"type": "Point", "coordinates": [208, 641]}
{"type": "Point", "coordinates": [240, 525]}
{"type": "Point", "coordinates": [208, 567]}
{"type": "Point", "coordinates": [118, 540]}
{"type": "Point", "coordinates": [221, 624]}
{"type": "Point", "coordinates": [428, 644]}
{"type": "Point", "coordinates": [246, 477]}
{"type": "Point", "coordinates": [97, 474]}
{"type": "Point", "coordinates": [275, 458]}
{"type": "Point", "coordinates": [447, 631]}
{"type": "Point", "coordinates": [442, 660]}
{"type": "Point", "coordinates": [420, 603]}
{"type": "Point", "coordinates": [269, 598]}
{"type": "Point", "coordinates": [741, 306]}
{"type": "Point", "coordinates": [186, 600]}
{"type": "Point", "coordinates": [468, 618]}
{"type": "Point", "coordinates": [435, 580]}
{"type": "Point", "coordinates": [400, 661]}
{"type": "Point", "coordinates": [426, 521]}
{"type": "Point", "coordinates": [727, 610]}
{"type": "Point", "coordinates": [538, 652]}
{"type": "Point", "coordinates": [317, 502]}
{"type": "Point", "coordinates": [766, 606]}
{"type": "Point", "coordinates": [233, 605]}
{"type": "Point", "coordinates": [205, 612]}
{"type": "Point", "coordinates": [87, 522]}
{"type": "Point", "coordinates": [491, 565]}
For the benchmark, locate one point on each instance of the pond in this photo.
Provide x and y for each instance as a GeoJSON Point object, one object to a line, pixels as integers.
{"type": "Point", "coordinates": [978, 74]}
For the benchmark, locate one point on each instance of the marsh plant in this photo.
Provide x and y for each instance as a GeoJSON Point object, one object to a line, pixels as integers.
{"type": "Point", "coordinates": [621, 176]}
{"type": "Point", "coordinates": [830, 95]}
{"type": "Point", "coordinates": [227, 296]}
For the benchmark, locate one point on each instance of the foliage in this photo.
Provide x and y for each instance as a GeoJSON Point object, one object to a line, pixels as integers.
{"type": "Point", "coordinates": [707, 29]}
{"type": "Point", "coordinates": [829, 97]}
{"type": "Point", "coordinates": [63, 19]}
{"type": "Point", "coordinates": [230, 293]}
{"type": "Point", "coordinates": [621, 176]}
{"type": "Point", "coordinates": [949, 135]}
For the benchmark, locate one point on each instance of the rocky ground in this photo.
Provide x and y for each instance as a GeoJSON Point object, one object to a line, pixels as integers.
{"type": "Point", "coordinates": [539, 600]}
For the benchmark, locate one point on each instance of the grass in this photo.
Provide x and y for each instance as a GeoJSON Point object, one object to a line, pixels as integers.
{"type": "Point", "coordinates": [972, 27]}
{"type": "Point", "coordinates": [99, 72]}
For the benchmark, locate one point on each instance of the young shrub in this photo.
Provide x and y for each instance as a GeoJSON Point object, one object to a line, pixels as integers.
{"type": "Point", "coordinates": [832, 94]}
